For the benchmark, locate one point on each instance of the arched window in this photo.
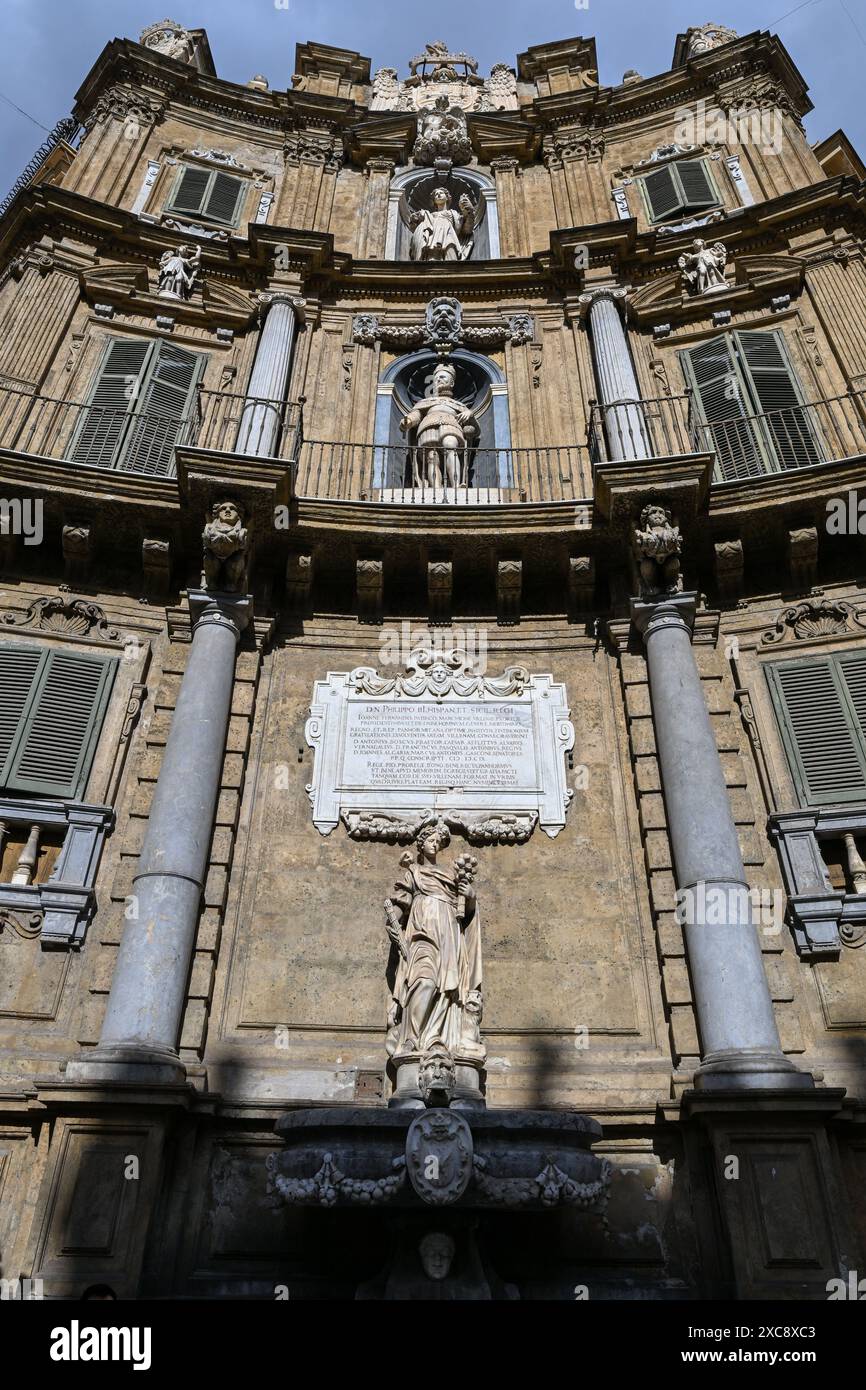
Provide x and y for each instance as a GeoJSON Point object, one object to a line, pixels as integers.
{"type": "Point", "coordinates": [413, 190]}
{"type": "Point", "coordinates": [479, 384]}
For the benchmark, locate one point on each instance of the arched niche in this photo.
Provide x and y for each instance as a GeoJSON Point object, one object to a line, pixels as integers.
{"type": "Point", "coordinates": [414, 189]}
{"type": "Point", "coordinates": [479, 384]}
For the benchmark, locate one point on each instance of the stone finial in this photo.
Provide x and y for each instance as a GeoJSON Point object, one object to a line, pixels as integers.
{"type": "Point", "coordinates": [225, 542]}
{"type": "Point", "coordinates": [658, 546]}
{"type": "Point", "coordinates": [170, 39]}
{"type": "Point", "coordinates": [178, 272]}
{"type": "Point", "coordinates": [703, 268]}
{"type": "Point", "coordinates": [803, 557]}
{"type": "Point", "coordinates": [706, 36]}
{"type": "Point", "coordinates": [258, 82]}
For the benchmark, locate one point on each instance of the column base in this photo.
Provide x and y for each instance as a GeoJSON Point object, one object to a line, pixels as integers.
{"type": "Point", "coordinates": [141, 1066]}
{"type": "Point", "coordinates": [742, 1069]}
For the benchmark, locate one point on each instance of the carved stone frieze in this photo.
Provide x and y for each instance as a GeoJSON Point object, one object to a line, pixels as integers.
{"type": "Point", "coordinates": [444, 328]}
{"type": "Point", "coordinates": [817, 617]}
{"type": "Point", "coordinates": [67, 616]}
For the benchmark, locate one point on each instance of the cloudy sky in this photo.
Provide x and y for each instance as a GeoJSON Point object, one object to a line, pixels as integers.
{"type": "Point", "coordinates": [50, 45]}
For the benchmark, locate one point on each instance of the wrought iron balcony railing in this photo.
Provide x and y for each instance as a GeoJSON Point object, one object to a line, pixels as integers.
{"type": "Point", "coordinates": [746, 444]}
{"type": "Point", "coordinates": [135, 439]}
{"type": "Point", "coordinates": [397, 473]}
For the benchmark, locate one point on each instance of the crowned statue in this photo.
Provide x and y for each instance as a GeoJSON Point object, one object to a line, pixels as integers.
{"type": "Point", "coordinates": [445, 429]}
{"type": "Point", "coordinates": [441, 234]}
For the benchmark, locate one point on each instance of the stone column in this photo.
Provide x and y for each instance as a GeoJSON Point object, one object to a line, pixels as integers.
{"type": "Point", "coordinates": [262, 418]}
{"type": "Point", "coordinates": [145, 1008]}
{"type": "Point", "coordinates": [740, 1045]}
{"type": "Point", "coordinates": [373, 231]}
{"type": "Point", "coordinates": [617, 384]}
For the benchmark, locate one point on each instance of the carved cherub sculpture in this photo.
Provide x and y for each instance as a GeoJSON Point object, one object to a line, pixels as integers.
{"type": "Point", "coordinates": [703, 267]}
{"type": "Point", "coordinates": [226, 550]}
{"type": "Point", "coordinates": [658, 546]}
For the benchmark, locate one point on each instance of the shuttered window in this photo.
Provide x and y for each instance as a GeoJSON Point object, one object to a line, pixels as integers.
{"type": "Point", "coordinates": [682, 187]}
{"type": "Point", "coordinates": [52, 704]}
{"type": "Point", "coordinates": [215, 196]}
{"type": "Point", "coordinates": [821, 707]}
{"type": "Point", "coordinates": [748, 405]}
{"type": "Point", "coordinates": [140, 407]}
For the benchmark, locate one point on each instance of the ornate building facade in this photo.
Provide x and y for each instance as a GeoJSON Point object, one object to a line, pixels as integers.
{"type": "Point", "coordinates": [442, 490]}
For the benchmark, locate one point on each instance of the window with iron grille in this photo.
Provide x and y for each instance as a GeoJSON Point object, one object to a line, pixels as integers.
{"type": "Point", "coordinates": [52, 705]}
{"type": "Point", "coordinates": [749, 409]}
{"type": "Point", "coordinates": [683, 186]}
{"type": "Point", "coordinates": [207, 194]}
{"type": "Point", "coordinates": [140, 407]}
{"type": "Point", "coordinates": [820, 705]}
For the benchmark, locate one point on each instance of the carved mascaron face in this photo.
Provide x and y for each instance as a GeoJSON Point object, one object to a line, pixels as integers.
{"type": "Point", "coordinates": [227, 515]}
{"type": "Point", "coordinates": [436, 1252]}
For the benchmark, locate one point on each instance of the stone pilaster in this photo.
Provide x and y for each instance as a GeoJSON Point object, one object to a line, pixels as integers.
{"type": "Point", "coordinates": [142, 1023]}
{"type": "Point", "coordinates": [740, 1045]}
{"type": "Point", "coordinates": [263, 414]}
{"type": "Point", "coordinates": [615, 375]}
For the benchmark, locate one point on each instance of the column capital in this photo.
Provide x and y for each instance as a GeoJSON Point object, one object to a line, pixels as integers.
{"type": "Point", "coordinates": [219, 610]}
{"type": "Point", "coordinates": [650, 614]}
{"type": "Point", "coordinates": [615, 293]}
{"type": "Point", "coordinates": [268, 298]}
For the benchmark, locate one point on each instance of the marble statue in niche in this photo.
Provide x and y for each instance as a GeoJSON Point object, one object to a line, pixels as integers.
{"type": "Point", "coordinates": [440, 233]}
{"type": "Point", "coordinates": [226, 549]}
{"type": "Point", "coordinates": [434, 923]}
{"type": "Point", "coordinates": [178, 271]}
{"type": "Point", "coordinates": [703, 267]}
{"type": "Point", "coordinates": [444, 430]}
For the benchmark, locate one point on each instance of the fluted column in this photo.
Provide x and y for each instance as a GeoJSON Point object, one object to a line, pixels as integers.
{"type": "Point", "coordinates": [617, 384]}
{"type": "Point", "coordinates": [740, 1045]}
{"type": "Point", "coordinates": [145, 1008]}
{"type": "Point", "coordinates": [264, 411]}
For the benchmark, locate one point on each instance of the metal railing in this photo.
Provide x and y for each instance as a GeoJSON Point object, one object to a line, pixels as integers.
{"type": "Point", "coordinates": [399, 473]}
{"type": "Point", "coordinates": [136, 440]}
{"type": "Point", "coordinates": [747, 444]}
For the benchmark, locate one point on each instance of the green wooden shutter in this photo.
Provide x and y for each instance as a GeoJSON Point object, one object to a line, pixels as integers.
{"type": "Point", "coordinates": [696, 186]}
{"type": "Point", "coordinates": [190, 191]}
{"type": "Point", "coordinates": [223, 198]}
{"type": "Point", "coordinates": [57, 736]}
{"type": "Point", "coordinates": [824, 740]}
{"type": "Point", "coordinates": [101, 429]}
{"type": "Point", "coordinates": [163, 411]}
{"type": "Point", "coordinates": [19, 673]}
{"type": "Point", "coordinates": [662, 193]}
{"type": "Point", "coordinates": [722, 404]}
{"type": "Point", "coordinates": [777, 397]}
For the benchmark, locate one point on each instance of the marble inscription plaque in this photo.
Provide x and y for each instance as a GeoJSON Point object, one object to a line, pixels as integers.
{"type": "Point", "coordinates": [439, 739]}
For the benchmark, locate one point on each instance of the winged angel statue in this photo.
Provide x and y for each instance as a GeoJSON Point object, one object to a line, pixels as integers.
{"type": "Point", "coordinates": [704, 267]}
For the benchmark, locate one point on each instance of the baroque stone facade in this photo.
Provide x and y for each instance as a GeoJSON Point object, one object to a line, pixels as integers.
{"type": "Point", "coordinates": [406, 501]}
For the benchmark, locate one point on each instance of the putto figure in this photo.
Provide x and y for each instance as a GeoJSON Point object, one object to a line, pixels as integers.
{"type": "Point", "coordinates": [440, 233]}
{"type": "Point", "coordinates": [445, 430]}
{"type": "Point", "coordinates": [433, 921]}
{"type": "Point", "coordinates": [658, 545]}
{"type": "Point", "coordinates": [178, 271]}
{"type": "Point", "coordinates": [704, 267]}
{"type": "Point", "coordinates": [226, 550]}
